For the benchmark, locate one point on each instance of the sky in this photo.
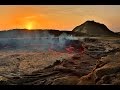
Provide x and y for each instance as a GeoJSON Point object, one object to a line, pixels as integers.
{"type": "Point", "coordinates": [62, 17]}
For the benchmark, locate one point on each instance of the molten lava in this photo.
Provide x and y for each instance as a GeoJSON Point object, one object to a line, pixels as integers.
{"type": "Point", "coordinates": [72, 49]}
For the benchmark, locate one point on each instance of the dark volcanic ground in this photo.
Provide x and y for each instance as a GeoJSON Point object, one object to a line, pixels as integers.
{"type": "Point", "coordinates": [98, 65]}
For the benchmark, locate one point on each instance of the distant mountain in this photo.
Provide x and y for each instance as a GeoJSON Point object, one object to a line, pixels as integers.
{"type": "Point", "coordinates": [21, 33]}
{"type": "Point", "coordinates": [89, 28]}
{"type": "Point", "coordinates": [93, 28]}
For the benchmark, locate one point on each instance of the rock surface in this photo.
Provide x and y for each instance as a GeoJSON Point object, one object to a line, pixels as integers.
{"type": "Point", "coordinates": [98, 65]}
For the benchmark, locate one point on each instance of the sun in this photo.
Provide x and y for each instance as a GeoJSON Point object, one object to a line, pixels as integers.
{"type": "Point", "coordinates": [29, 25]}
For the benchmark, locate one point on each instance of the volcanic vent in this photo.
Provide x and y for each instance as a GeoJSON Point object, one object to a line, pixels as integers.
{"type": "Point", "coordinates": [39, 40]}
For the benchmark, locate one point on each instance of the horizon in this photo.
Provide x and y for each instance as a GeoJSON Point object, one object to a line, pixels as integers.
{"type": "Point", "coordinates": [58, 17]}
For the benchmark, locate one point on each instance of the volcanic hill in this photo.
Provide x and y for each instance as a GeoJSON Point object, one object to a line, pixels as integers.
{"type": "Point", "coordinates": [92, 28]}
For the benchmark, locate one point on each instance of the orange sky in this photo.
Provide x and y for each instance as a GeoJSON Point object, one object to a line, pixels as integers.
{"type": "Point", "coordinates": [62, 17]}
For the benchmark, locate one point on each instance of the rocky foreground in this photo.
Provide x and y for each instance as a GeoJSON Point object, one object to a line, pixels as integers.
{"type": "Point", "coordinates": [98, 65]}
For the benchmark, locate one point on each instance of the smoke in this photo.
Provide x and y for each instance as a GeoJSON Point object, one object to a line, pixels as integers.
{"type": "Point", "coordinates": [41, 42]}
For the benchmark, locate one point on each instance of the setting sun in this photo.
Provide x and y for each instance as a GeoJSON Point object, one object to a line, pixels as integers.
{"type": "Point", "coordinates": [29, 25]}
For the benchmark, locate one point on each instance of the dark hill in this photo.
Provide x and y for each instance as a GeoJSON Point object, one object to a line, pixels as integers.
{"type": "Point", "coordinates": [24, 33]}
{"type": "Point", "coordinates": [93, 28]}
{"type": "Point", "coordinates": [118, 32]}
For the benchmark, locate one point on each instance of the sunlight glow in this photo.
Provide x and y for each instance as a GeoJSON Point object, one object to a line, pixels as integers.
{"type": "Point", "coordinates": [29, 25]}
